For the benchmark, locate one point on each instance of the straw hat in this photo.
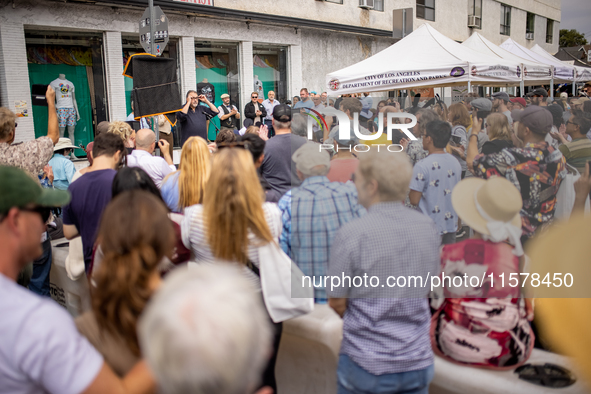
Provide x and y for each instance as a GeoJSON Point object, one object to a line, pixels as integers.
{"type": "Point", "coordinates": [565, 312]}
{"type": "Point", "coordinates": [491, 207]}
{"type": "Point", "coordinates": [64, 143]}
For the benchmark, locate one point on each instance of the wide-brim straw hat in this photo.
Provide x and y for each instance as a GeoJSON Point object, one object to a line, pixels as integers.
{"type": "Point", "coordinates": [564, 312]}
{"type": "Point", "coordinates": [64, 143]}
{"type": "Point", "coordinates": [496, 197]}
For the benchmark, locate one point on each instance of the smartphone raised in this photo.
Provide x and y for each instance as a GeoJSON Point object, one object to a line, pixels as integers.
{"type": "Point", "coordinates": [38, 94]}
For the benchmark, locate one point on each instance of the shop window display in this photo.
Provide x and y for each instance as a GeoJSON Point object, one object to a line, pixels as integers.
{"type": "Point", "coordinates": [216, 71]}
{"type": "Point", "coordinates": [72, 65]}
{"type": "Point", "coordinates": [270, 71]}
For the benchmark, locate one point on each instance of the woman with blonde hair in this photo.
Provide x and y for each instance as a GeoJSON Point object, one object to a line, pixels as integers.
{"type": "Point", "coordinates": [135, 234]}
{"type": "Point", "coordinates": [186, 186]}
{"type": "Point", "coordinates": [499, 133]}
{"type": "Point", "coordinates": [233, 222]}
{"type": "Point", "coordinates": [123, 130]}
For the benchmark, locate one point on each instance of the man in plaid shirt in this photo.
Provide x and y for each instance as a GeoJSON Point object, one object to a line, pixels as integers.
{"type": "Point", "coordinates": [313, 212]}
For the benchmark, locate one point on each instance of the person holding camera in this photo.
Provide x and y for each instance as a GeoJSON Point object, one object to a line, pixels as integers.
{"type": "Point", "coordinates": [155, 166]}
{"type": "Point", "coordinates": [193, 117]}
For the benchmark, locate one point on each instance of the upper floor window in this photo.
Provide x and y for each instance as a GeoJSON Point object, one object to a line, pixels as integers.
{"type": "Point", "coordinates": [549, 30]}
{"type": "Point", "coordinates": [378, 5]}
{"type": "Point", "coordinates": [426, 9]}
{"type": "Point", "coordinates": [335, 1]}
{"type": "Point", "coordinates": [505, 20]}
{"type": "Point", "coordinates": [475, 11]}
{"type": "Point", "coordinates": [530, 23]}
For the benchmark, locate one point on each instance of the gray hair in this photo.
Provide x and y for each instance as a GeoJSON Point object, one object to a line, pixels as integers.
{"type": "Point", "coordinates": [427, 115]}
{"type": "Point", "coordinates": [206, 331]}
{"type": "Point", "coordinates": [277, 125]}
{"type": "Point", "coordinates": [299, 125]}
{"type": "Point", "coordinates": [391, 170]}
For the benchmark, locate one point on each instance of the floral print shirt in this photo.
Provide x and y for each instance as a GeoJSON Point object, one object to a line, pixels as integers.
{"type": "Point", "coordinates": [536, 170]}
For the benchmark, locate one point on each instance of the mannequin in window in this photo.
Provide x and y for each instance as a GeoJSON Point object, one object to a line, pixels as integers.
{"type": "Point", "coordinates": [206, 89]}
{"type": "Point", "coordinates": [66, 106]}
{"type": "Point", "coordinates": [258, 87]}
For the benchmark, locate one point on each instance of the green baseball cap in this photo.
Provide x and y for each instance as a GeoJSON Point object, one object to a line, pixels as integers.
{"type": "Point", "coordinates": [17, 189]}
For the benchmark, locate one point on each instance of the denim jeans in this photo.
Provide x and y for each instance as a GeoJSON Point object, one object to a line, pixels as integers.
{"type": "Point", "coordinates": [41, 267]}
{"type": "Point", "coordinates": [352, 379]}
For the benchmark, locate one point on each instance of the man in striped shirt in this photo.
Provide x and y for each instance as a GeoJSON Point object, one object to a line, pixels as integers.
{"type": "Point", "coordinates": [578, 151]}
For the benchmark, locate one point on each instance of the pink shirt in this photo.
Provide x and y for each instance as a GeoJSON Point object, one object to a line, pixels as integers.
{"type": "Point", "coordinates": [342, 169]}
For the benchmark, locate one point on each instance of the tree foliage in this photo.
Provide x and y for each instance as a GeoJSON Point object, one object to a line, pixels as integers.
{"type": "Point", "coordinates": [571, 38]}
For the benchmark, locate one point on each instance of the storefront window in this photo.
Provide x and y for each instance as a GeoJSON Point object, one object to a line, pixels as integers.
{"type": "Point", "coordinates": [73, 64]}
{"type": "Point", "coordinates": [270, 71]}
{"type": "Point", "coordinates": [216, 70]}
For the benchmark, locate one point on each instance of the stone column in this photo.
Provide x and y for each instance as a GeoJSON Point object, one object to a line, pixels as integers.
{"type": "Point", "coordinates": [14, 77]}
{"type": "Point", "coordinates": [114, 75]}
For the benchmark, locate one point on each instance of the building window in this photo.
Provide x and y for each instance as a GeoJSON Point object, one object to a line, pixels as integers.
{"type": "Point", "coordinates": [529, 25]}
{"type": "Point", "coordinates": [549, 30]}
{"type": "Point", "coordinates": [426, 9]}
{"type": "Point", "coordinates": [335, 1]}
{"type": "Point", "coordinates": [505, 20]}
{"type": "Point", "coordinates": [475, 13]}
{"type": "Point", "coordinates": [74, 61]}
{"type": "Point", "coordinates": [217, 72]}
{"type": "Point", "coordinates": [270, 71]}
{"type": "Point", "coordinates": [378, 5]}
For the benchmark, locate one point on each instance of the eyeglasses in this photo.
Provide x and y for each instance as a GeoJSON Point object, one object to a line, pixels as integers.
{"type": "Point", "coordinates": [573, 123]}
{"type": "Point", "coordinates": [254, 96]}
{"type": "Point", "coordinates": [194, 98]}
{"type": "Point", "coordinates": [240, 145]}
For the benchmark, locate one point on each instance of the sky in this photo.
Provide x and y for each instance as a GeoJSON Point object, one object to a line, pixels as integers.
{"type": "Point", "coordinates": [576, 14]}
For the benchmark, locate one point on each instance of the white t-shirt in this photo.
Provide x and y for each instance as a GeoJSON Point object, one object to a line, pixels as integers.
{"type": "Point", "coordinates": [41, 350]}
{"type": "Point", "coordinates": [64, 90]}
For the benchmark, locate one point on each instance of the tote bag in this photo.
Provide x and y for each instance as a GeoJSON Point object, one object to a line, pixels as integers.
{"type": "Point", "coordinates": [281, 282]}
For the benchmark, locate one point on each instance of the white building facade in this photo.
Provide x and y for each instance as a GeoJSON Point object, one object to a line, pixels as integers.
{"type": "Point", "coordinates": [229, 46]}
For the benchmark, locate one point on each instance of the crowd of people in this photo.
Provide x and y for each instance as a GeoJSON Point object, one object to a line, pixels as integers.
{"type": "Point", "coordinates": [173, 256]}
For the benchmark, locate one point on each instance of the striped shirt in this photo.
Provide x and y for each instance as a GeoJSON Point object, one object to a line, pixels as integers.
{"type": "Point", "coordinates": [577, 153]}
{"type": "Point", "coordinates": [311, 216]}
{"type": "Point", "coordinates": [194, 233]}
{"type": "Point", "coordinates": [386, 329]}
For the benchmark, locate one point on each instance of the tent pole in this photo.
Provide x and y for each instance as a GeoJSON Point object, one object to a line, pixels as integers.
{"type": "Point", "coordinates": [469, 82]}
{"type": "Point", "coordinates": [521, 87]}
{"type": "Point", "coordinates": [552, 84]}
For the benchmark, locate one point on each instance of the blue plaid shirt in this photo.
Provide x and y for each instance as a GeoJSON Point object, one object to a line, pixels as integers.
{"type": "Point", "coordinates": [311, 215]}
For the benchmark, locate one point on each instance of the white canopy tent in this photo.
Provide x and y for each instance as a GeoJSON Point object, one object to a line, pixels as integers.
{"type": "Point", "coordinates": [562, 72]}
{"type": "Point", "coordinates": [534, 73]}
{"type": "Point", "coordinates": [424, 58]}
{"type": "Point", "coordinates": [582, 74]}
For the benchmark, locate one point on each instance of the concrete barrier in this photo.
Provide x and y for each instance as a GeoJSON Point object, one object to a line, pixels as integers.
{"type": "Point", "coordinates": [308, 357]}
{"type": "Point", "coordinates": [72, 295]}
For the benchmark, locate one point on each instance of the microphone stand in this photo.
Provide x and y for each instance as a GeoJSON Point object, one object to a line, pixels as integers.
{"type": "Point", "coordinates": [210, 117]}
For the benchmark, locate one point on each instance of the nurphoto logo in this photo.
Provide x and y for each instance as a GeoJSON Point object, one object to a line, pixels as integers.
{"type": "Point", "coordinates": [344, 128]}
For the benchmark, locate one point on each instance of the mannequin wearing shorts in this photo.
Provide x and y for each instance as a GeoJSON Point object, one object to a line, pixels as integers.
{"type": "Point", "coordinates": [66, 106]}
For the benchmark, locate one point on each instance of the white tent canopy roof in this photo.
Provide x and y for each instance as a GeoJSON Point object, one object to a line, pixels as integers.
{"type": "Point", "coordinates": [534, 73]}
{"type": "Point", "coordinates": [582, 73]}
{"type": "Point", "coordinates": [562, 72]}
{"type": "Point", "coordinates": [423, 58]}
